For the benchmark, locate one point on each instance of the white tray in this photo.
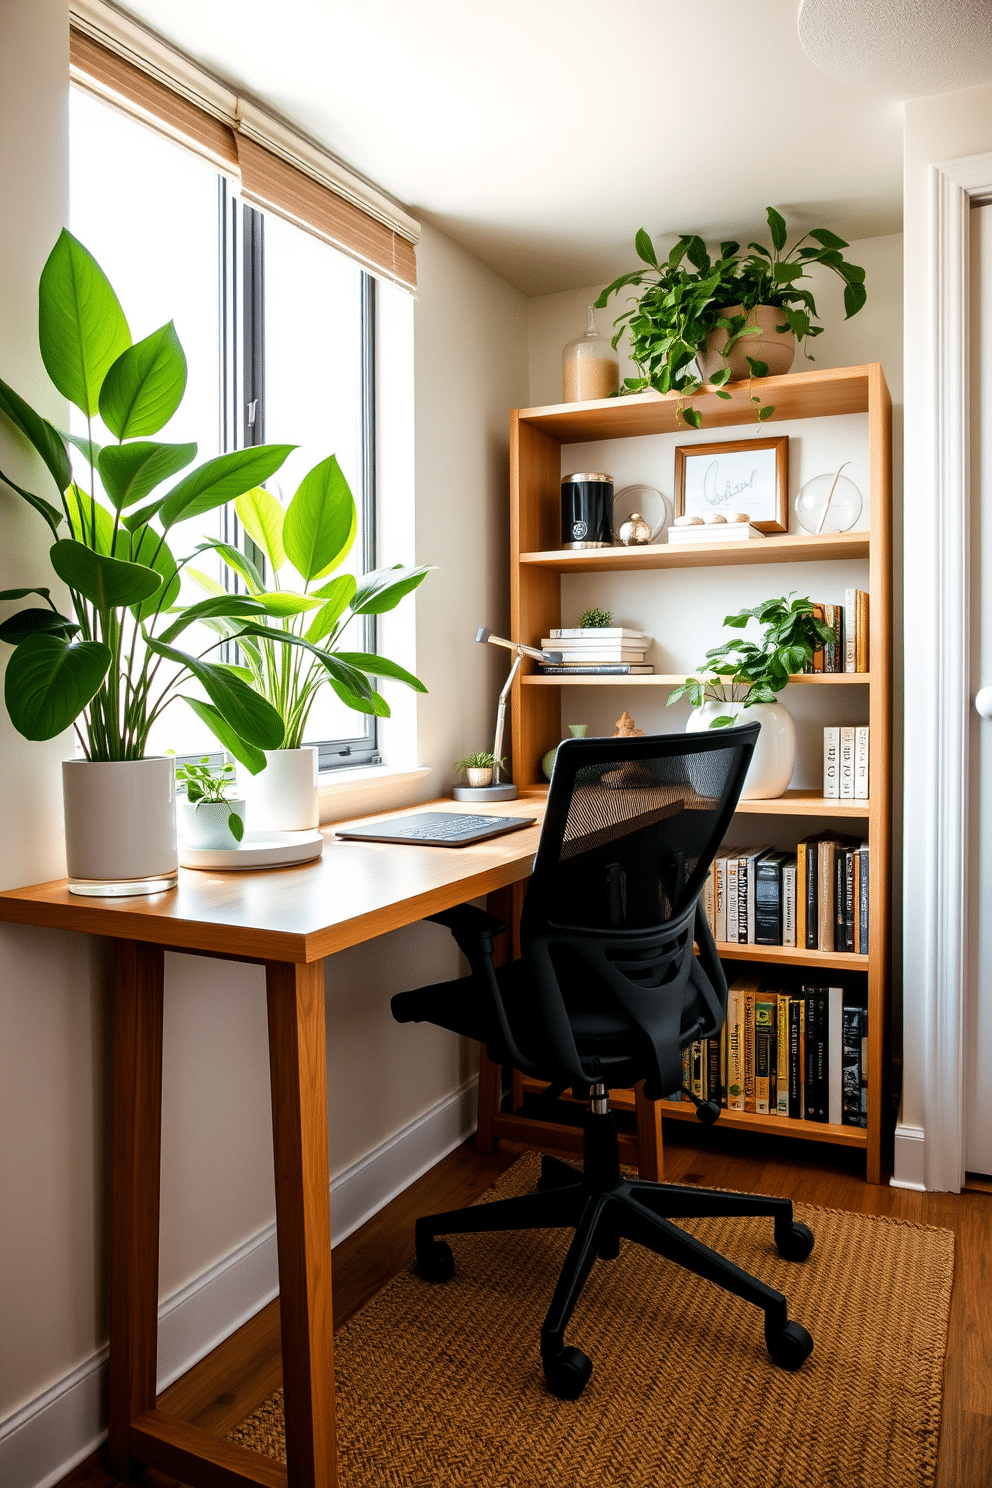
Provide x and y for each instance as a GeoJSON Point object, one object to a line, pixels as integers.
{"type": "Point", "coordinates": [256, 850]}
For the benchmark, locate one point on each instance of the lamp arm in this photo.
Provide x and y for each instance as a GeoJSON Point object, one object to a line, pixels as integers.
{"type": "Point", "coordinates": [501, 716]}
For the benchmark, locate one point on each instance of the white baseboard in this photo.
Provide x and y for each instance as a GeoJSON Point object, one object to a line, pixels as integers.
{"type": "Point", "coordinates": [45, 1439]}
{"type": "Point", "coordinates": [909, 1158]}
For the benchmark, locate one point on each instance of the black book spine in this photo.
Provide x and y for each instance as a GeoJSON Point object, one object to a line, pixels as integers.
{"type": "Point", "coordinates": [863, 1066]}
{"type": "Point", "coordinates": [768, 902]}
{"type": "Point", "coordinates": [863, 906]}
{"type": "Point", "coordinates": [840, 899]}
{"type": "Point", "coordinates": [850, 909]}
{"type": "Point", "coordinates": [850, 1067]}
{"type": "Point", "coordinates": [817, 1054]}
{"type": "Point", "coordinates": [742, 891]}
{"type": "Point", "coordinates": [812, 896]}
{"type": "Point", "coordinates": [714, 1090]}
{"type": "Point", "coordinates": [795, 1058]}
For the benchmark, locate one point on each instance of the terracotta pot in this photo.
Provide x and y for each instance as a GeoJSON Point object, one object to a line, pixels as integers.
{"type": "Point", "coordinates": [774, 347]}
{"type": "Point", "coordinates": [774, 757]}
{"type": "Point", "coordinates": [120, 826]}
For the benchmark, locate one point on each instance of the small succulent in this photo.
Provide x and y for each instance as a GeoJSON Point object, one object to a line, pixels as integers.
{"type": "Point", "coordinates": [595, 619]}
{"type": "Point", "coordinates": [480, 761]}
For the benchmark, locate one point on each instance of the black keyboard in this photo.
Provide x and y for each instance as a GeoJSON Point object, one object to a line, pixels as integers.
{"type": "Point", "coordinates": [436, 829]}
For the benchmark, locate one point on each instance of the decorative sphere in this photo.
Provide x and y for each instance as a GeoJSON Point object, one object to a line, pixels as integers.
{"type": "Point", "coordinates": [820, 511]}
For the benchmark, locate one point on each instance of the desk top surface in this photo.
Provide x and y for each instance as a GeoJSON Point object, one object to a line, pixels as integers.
{"type": "Point", "coordinates": [357, 890]}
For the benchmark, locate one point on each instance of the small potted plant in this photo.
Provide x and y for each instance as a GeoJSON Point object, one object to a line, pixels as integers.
{"type": "Point", "coordinates": [743, 680]}
{"type": "Point", "coordinates": [479, 768]}
{"type": "Point", "coordinates": [735, 316]}
{"type": "Point", "coordinates": [209, 817]}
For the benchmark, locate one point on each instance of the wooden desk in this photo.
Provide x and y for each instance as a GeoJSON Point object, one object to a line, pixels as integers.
{"type": "Point", "coordinates": [288, 920]}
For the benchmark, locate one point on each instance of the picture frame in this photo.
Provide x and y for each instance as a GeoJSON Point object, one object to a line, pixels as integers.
{"type": "Point", "coordinates": [749, 475]}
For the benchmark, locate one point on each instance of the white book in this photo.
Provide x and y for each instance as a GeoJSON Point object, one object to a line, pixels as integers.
{"type": "Point", "coordinates": [598, 633]}
{"type": "Point", "coordinates": [605, 656]}
{"type": "Point", "coordinates": [850, 630]}
{"type": "Point", "coordinates": [847, 763]}
{"type": "Point", "coordinates": [789, 903]}
{"type": "Point", "coordinates": [706, 897]}
{"type": "Point", "coordinates": [835, 1051]}
{"type": "Point", "coordinates": [595, 648]}
{"type": "Point", "coordinates": [720, 870]}
{"type": "Point", "coordinates": [831, 753]}
{"type": "Point", "coordinates": [732, 899]}
{"type": "Point", "coordinates": [861, 763]}
{"type": "Point", "coordinates": [714, 532]}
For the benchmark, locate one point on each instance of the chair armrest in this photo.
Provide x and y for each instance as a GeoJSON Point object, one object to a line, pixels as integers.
{"type": "Point", "coordinates": [468, 921]}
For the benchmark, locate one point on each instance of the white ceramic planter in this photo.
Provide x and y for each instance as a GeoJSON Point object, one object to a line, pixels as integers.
{"type": "Point", "coordinates": [206, 823]}
{"type": "Point", "coordinates": [120, 826]}
{"type": "Point", "coordinates": [774, 757]}
{"type": "Point", "coordinates": [283, 796]}
{"type": "Point", "coordinates": [479, 775]}
{"type": "Point", "coordinates": [776, 348]}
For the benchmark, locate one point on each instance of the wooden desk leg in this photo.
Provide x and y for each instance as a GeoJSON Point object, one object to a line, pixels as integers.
{"type": "Point", "coordinates": [650, 1147]}
{"type": "Point", "coordinates": [136, 1146]}
{"type": "Point", "coordinates": [297, 1066]}
{"type": "Point", "coordinates": [489, 1101]}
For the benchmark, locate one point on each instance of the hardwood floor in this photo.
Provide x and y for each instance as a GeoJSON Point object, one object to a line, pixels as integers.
{"type": "Point", "coordinates": [223, 1388]}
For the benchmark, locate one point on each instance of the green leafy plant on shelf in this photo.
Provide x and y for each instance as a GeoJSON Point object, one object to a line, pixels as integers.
{"type": "Point", "coordinates": [595, 619]}
{"type": "Point", "coordinates": [741, 671]}
{"type": "Point", "coordinates": [112, 665]}
{"type": "Point", "coordinates": [480, 761]}
{"type": "Point", "coordinates": [209, 785]}
{"type": "Point", "coordinates": [688, 295]}
{"type": "Point", "coordinates": [289, 653]}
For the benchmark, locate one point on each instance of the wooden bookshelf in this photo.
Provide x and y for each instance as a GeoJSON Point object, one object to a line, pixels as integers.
{"type": "Point", "coordinates": [538, 565]}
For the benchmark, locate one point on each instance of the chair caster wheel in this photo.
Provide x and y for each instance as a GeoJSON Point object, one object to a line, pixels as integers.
{"type": "Point", "coordinates": [796, 1243]}
{"type": "Point", "coordinates": [568, 1373]}
{"type": "Point", "coordinates": [436, 1263]}
{"type": "Point", "coordinates": [790, 1347]}
{"type": "Point", "coordinates": [708, 1113]}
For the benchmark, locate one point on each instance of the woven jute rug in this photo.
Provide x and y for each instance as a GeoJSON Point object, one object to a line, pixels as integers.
{"type": "Point", "coordinates": [441, 1386]}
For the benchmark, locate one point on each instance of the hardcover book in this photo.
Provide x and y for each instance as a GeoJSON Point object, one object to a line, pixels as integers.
{"type": "Point", "coordinates": [831, 760]}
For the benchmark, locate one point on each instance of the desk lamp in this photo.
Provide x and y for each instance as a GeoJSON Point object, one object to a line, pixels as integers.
{"type": "Point", "coordinates": [505, 791]}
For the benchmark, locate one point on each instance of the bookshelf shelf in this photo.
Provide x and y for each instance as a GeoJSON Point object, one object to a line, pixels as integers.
{"type": "Point", "coordinates": [783, 1126]}
{"type": "Point", "coordinates": [539, 568]}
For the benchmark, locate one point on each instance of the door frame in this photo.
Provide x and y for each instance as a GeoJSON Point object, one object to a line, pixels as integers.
{"type": "Point", "coordinates": [938, 947]}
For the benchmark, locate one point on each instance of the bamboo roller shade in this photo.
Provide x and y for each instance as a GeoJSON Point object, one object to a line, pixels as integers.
{"type": "Point", "coordinates": [267, 179]}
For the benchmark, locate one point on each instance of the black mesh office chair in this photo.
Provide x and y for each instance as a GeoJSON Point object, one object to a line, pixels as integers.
{"type": "Point", "coordinates": [608, 991]}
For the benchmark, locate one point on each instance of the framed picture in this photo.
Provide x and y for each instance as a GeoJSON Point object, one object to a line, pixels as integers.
{"type": "Point", "coordinates": [741, 475]}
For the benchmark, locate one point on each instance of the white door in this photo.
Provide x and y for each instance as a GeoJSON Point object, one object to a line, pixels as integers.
{"type": "Point", "coordinates": [978, 1032]}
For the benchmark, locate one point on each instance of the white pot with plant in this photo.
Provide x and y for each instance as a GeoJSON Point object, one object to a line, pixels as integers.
{"type": "Point", "coordinates": [209, 816]}
{"type": "Point", "coordinates": [743, 682]}
{"type": "Point", "coordinates": [728, 318]}
{"type": "Point", "coordinates": [111, 665]}
{"type": "Point", "coordinates": [479, 768]}
{"type": "Point", "coordinates": [294, 648]}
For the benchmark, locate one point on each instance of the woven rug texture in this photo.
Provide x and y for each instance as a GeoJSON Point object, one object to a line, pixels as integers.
{"type": "Point", "coordinates": [442, 1387]}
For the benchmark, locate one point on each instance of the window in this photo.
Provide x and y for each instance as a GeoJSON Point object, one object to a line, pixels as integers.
{"type": "Point", "coordinates": [279, 333]}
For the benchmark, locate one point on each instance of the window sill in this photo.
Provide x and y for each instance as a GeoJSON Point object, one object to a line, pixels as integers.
{"type": "Point", "coordinates": [366, 789]}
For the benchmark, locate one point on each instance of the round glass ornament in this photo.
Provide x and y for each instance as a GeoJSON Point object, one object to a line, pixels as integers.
{"type": "Point", "coordinates": [829, 503]}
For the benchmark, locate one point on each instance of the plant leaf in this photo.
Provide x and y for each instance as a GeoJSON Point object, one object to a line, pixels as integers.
{"type": "Point", "coordinates": [130, 471]}
{"type": "Point", "coordinates": [644, 248]}
{"type": "Point", "coordinates": [827, 238]}
{"type": "Point", "coordinates": [383, 589]}
{"type": "Point", "coordinates": [262, 518]}
{"type": "Point", "coordinates": [693, 416]}
{"type": "Point", "coordinates": [145, 386]}
{"type": "Point", "coordinates": [226, 606]}
{"type": "Point", "coordinates": [17, 628]}
{"type": "Point", "coordinates": [221, 480]}
{"type": "Point", "coordinates": [337, 596]}
{"type": "Point", "coordinates": [148, 547]}
{"type": "Point", "coordinates": [82, 329]}
{"type": "Point", "coordinates": [108, 582]}
{"type": "Point", "coordinates": [777, 228]}
{"type": "Point", "coordinates": [250, 716]}
{"type": "Point", "coordinates": [321, 521]}
{"type": "Point", "coordinates": [236, 560]}
{"type": "Point", "coordinates": [46, 439]}
{"type": "Point", "coordinates": [49, 681]}
{"type": "Point", "coordinates": [380, 666]}
{"type": "Point", "coordinates": [49, 512]}
{"type": "Point", "coordinates": [246, 754]}
{"type": "Point", "coordinates": [90, 523]}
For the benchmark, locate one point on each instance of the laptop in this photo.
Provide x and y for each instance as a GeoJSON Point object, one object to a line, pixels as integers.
{"type": "Point", "coordinates": [436, 829]}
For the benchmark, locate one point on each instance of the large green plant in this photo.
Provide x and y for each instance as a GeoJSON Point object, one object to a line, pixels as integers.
{"type": "Point", "coordinates": [744, 672]}
{"type": "Point", "coordinates": [682, 302]}
{"type": "Point", "coordinates": [289, 655]}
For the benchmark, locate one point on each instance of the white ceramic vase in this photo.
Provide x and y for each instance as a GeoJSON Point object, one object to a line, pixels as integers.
{"type": "Point", "coordinates": [206, 823]}
{"type": "Point", "coordinates": [120, 826]}
{"type": "Point", "coordinates": [283, 796]}
{"type": "Point", "coordinates": [774, 757]}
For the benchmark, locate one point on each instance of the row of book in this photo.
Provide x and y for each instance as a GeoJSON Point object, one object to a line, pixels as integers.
{"type": "Point", "coordinates": [597, 651]}
{"type": "Point", "coordinates": [848, 651]}
{"type": "Point", "coordinates": [815, 898]}
{"type": "Point", "coordinates": [800, 1052]}
{"type": "Point", "coordinates": [845, 762]}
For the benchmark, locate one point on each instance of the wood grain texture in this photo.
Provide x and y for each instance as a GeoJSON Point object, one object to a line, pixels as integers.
{"type": "Point", "coordinates": [675, 679]}
{"type": "Point", "coordinates": [199, 1459]}
{"type": "Point", "coordinates": [298, 1070]}
{"type": "Point", "coordinates": [778, 548]}
{"type": "Point", "coordinates": [650, 1146]}
{"type": "Point", "coordinates": [356, 891]}
{"type": "Point", "coordinates": [135, 1165]}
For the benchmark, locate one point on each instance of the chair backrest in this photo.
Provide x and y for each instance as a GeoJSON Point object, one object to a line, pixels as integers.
{"type": "Point", "coordinates": [631, 830]}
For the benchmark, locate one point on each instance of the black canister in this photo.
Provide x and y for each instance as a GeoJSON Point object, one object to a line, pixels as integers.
{"type": "Point", "coordinates": [587, 510]}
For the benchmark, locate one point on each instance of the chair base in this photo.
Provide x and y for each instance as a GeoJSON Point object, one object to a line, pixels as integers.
{"type": "Point", "coordinates": [603, 1208]}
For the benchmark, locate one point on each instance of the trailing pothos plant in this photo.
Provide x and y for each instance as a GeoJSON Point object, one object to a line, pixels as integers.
{"type": "Point", "coordinates": [112, 665]}
{"type": "Point", "coordinates": [683, 302]}
{"type": "Point", "coordinates": [745, 673]}
{"type": "Point", "coordinates": [288, 655]}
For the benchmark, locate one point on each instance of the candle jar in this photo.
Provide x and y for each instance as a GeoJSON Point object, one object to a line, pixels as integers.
{"type": "Point", "coordinates": [587, 510]}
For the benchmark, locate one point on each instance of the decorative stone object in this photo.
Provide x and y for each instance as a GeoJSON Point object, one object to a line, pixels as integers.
{"type": "Point", "coordinates": [626, 728]}
{"type": "Point", "coordinates": [714, 519]}
{"type": "Point", "coordinates": [735, 517]}
{"type": "Point", "coordinates": [688, 521]}
{"type": "Point", "coordinates": [634, 532]}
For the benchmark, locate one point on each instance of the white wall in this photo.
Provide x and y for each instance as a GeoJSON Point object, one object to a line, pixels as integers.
{"type": "Point", "coordinates": [937, 130]}
{"type": "Point", "coordinates": [391, 1114]}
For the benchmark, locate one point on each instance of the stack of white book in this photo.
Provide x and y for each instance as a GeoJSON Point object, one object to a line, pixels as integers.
{"type": "Point", "coordinates": [845, 763]}
{"type": "Point", "coordinates": [607, 650]}
{"type": "Point", "coordinates": [714, 532]}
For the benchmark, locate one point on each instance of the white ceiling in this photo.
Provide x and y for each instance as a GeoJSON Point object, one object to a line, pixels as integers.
{"type": "Point", "coordinates": [540, 134]}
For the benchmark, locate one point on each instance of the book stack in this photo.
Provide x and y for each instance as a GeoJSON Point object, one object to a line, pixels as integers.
{"type": "Point", "coordinates": [848, 651]}
{"type": "Point", "coordinates": [749, 897]}
{"type": "Point", "coordinates": [711, 532]}
{"type": "Point", "coordinates": [832, 880]}
{"type": "Point", "coordinates": [603, 650]}
{"type": "Point", "coordinates": [786, 1051]}
{"type": "Point", "coordinates": [845, 763]}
